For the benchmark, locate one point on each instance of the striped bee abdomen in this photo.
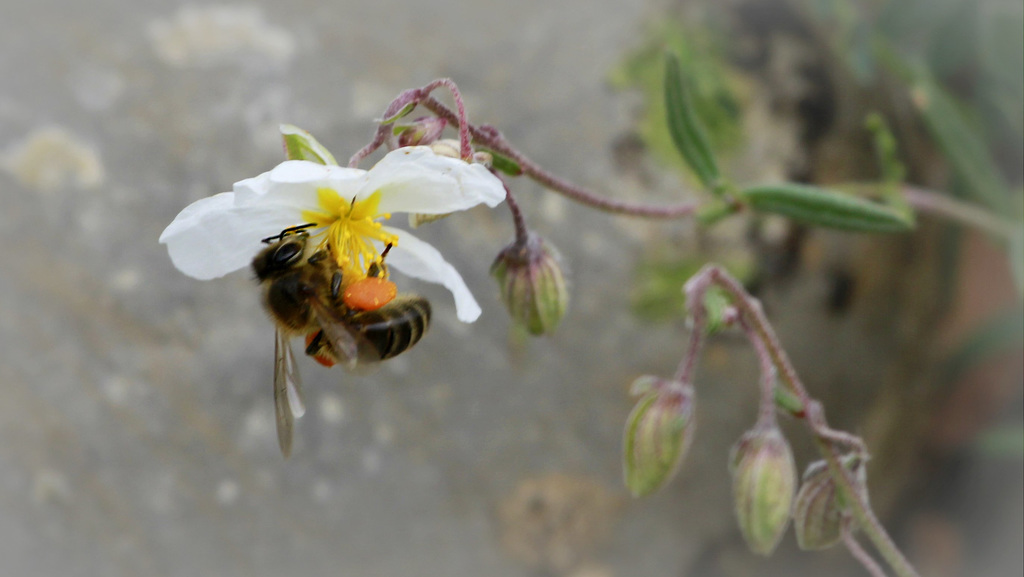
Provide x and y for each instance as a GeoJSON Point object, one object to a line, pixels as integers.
{"type": "Point", "coordinates": [395, 327]}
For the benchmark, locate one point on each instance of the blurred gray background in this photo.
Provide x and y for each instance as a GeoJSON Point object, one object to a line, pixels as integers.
{"type": "Point", "coordinates": [136, 420]}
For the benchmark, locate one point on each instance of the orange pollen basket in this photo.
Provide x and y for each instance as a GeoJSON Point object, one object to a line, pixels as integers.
{"type": "Point", "coordinates": [321, 357]}
{"type": "Point", "coordinates": [369, 294]}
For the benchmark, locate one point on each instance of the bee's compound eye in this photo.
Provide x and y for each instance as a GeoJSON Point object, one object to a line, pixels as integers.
{"type": "Point", "coordinates": [369, 294]}
{"type": "Point", "coordinates": [286, 253]}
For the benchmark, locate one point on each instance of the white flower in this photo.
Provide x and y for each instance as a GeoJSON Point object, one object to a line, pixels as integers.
{"type": "Point", "coordinates": [220, 234]}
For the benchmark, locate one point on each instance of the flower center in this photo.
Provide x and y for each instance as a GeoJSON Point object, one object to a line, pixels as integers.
{"type": "Point", "coordinates": [351, 227]}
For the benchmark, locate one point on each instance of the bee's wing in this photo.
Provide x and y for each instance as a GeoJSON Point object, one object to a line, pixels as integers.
{"type": "Point", "coordinates": [288, 401]}
{"type": "Point", "coordinates": [348, 345]}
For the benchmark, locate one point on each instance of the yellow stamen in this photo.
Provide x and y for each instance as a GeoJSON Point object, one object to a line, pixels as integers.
{"type": "Point", "coordinates": [351, 228]}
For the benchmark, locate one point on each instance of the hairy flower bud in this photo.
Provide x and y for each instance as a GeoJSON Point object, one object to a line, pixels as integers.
{"type": "Point", "coordinates": [821, 506]}
{"type": "Point", "coordinates": [532, 284]}
{"type": "Point", "coordinates": [658, 433]}
{"type": "Point", "coordinates": [423, 131]}
{"type": "Point", "coordinates": [764, 481]}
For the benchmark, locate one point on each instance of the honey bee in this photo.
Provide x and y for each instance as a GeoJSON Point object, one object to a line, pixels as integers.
{"type": "Point", "coordinates": [361, 323]}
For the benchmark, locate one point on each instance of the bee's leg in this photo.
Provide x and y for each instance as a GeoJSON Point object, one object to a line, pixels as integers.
{"type": "Point", "coordinates": [314, 343]}
{"type": "Point", "coordinates": [379, 269]}
{"type": "Point", "coordinates": [336, 284]}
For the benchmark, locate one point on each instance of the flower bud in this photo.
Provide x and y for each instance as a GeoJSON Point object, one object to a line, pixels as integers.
{"type": "Point", "coordinates": [447, 147]}
{"type": "Point", "coordinates": [821, 506]}
{"type": "Point", "coordinates": [532, 284]}
{"type": "Point", "coordinates": [423, 131]}
{"type": "Point", "coordinates": [764, 481]}
{"type": "Point", "coordinates": [658, 433]}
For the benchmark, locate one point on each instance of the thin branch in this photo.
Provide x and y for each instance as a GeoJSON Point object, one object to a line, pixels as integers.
{"type": "Point", "coordinates": [688, 364]}
{"type": "Point", "coordinates": [766, 413]}
{"type": "Point", "coordinates": [967, 214]}
{"type": "Point", "coordinates": [490, 137]}
{"type": "Point", "coordinates": [858, 552]}
{"type": "Point", "coordinates": [522, 232]}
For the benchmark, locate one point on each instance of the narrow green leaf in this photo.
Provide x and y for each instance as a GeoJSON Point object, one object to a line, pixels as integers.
{"type": "Point", "coordinates": [685, 127]}
{"type": "Point", "coordinates": [788, 402]}
{"type": "Point", "coordinates": [715, 303]}
{"type": "Point", "coordinates": [824, 207]}
{"type": "Point", "coordinates": [300, 145]}
{"type": "Point", "coordinates": [502, 163]}
{"type": "Point", "coordinates": [962, 145]}
{"type": "Point", "coordinates": [401, 113]}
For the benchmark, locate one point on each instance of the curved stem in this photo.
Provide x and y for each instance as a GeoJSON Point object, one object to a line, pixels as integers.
{"type": "Point", "coordinates": [491, 138]}
{"type": "Point", "coordinates": [522, 232]}
{"type": "Point", "coordinates": [824, 437]}
{"type": "Point", "coordinates": [766, 412]}
{"type": "Point", "coordinates": [688, 364]}
{"type": "Point", "coordinates": [409, 99]}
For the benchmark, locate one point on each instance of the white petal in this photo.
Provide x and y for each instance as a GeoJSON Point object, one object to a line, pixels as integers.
{"type": "Point", "coordinates": [220, 234]}
{"type": "Point", "coordinates": [414, 179]}
{"type": "Point", "coordinates": [418, 259]}
{"type": "Point", "coordinates": [214, 236]}
{"type": "Point", "coordinates": [294, 182]}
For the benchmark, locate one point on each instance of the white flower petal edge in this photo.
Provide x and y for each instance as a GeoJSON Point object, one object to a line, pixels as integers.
{"type": "Point", "coordinates": [415, 179]}
{"type": "Point", "coordinates": [294, 183]}
{"type": "Point", "coordinates": [213, 236]}
{"type": "Point", "coordinates": [414, 257]}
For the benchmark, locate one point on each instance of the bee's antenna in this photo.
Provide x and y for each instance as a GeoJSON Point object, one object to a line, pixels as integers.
{"type": "Point", "coordinates": [300, 229]}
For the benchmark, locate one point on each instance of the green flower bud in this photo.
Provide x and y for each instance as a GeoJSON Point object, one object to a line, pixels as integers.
{"type": "Point", "coordinates": [423, 131]}
{"type": "Point", "coordinates": [820, 505]}
{"type": "Point", "coordinates": [658, 433]}
{"type": "Point", "coordinates": [532, 284]}
{"type": "Point", "coordinates": [764, 481]}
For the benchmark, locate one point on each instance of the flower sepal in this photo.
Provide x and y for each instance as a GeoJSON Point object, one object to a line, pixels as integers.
{"type": "Point", "coordinates": [300, 145]}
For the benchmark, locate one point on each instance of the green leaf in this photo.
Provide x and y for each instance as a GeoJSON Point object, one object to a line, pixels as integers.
{"type": "Point", "coordinates": [715, 303]}
{"type": "Point", "coordinates": [405, 110]}
{"type": "Point", "coordinates": [893, 171]}
{"type": "Point", "coordinates": [824, 207]}
{"type": "Point", "coordinates": [788, 402]}
{"type": "Point", "coordinates": [300, 145]}
{"type": "Point", "coordinates": [685, 127]}
{"type": "Point", "coordinates": [502, 163]}
{"type": "Point", "coordinates": [962, 145]}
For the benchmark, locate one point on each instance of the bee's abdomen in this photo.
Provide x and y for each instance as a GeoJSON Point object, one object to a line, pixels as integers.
{"type": "Point", "coordinates": [395, 327]}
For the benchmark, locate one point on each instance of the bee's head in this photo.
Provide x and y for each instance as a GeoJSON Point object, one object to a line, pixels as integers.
{"type": "Point", "coordinates": [280, 257]}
